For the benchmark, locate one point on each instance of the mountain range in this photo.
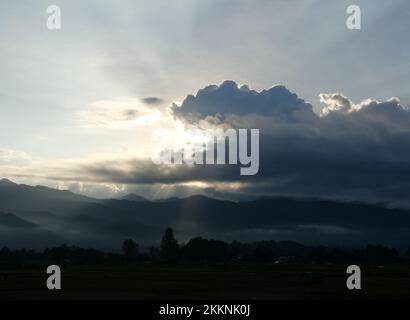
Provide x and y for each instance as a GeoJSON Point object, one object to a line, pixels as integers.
{"type": "Point", "coordinates": [37, 217]}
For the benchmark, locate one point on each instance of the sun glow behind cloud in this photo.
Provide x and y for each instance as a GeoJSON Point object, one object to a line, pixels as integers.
{"type": "Point", "coordinates": [77, 126]}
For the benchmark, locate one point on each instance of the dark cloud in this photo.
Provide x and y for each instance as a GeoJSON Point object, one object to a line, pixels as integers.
{"type": "Point", "coordinates": [352, 151]}
{"type": "Point", "coordinates": [230, 99]}
{"type": "Point", "coordinates": [152, 100]}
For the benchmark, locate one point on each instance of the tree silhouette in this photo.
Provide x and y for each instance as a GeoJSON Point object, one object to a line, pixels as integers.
{"type": "Point", "coordinates": [204, 250]}
{"type": "Point", "coordinates": [130, 249]}
{"type": "Point", "coordinates": [381, 254]}
{"type": "Point", "coordinates": [169, 247]}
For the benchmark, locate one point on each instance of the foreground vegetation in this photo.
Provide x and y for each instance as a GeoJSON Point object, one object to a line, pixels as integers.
{"type": "Point", "coordinates": [203, 251]}
{"type": "Point", "coordinates": [206, 269]}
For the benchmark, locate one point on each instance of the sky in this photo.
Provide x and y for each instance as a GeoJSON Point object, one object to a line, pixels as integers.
{"type": "Point", "coordinates": [84, 107]}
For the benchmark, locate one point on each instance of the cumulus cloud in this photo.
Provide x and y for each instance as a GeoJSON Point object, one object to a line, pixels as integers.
{"type": "Point", "coordinates": [338, 103]}
{"type": "Point", "coordinates": [229, 99]}
{"type": "Point", "coordinates": [353, 151]}
{"type": "Point", "coordinates": [334, 102]}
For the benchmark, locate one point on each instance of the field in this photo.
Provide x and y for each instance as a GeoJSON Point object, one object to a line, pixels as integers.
{"type": "Point", "coordinates": [151, 281]}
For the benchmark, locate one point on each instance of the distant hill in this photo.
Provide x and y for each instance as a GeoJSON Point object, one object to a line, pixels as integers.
{"type": "Point", "coordinates": [133, 197]}
{"type": "Point", "coordinates": [106, 223]}
{"type": "Point", "coordinates": [167, 199]}
{"type": "Point", "coordinates": [17, 232]}
{"type": "Point", "coordinates": [23, 197]}
{"type": "Point", "coordinates": [11, 220]}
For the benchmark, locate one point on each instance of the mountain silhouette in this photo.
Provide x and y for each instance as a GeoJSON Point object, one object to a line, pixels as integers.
{"type": "Point", "coordinates": [23, 197]}
{"type": "Point", "coordinates": [104, 223]}
{"type": "Point", "coordinates": [133, 197]}
{"type": "Point", "coordinates": [11, 220]}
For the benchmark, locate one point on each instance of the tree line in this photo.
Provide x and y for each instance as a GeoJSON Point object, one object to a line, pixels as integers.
{"type": "Point", "coordinates": [201, 250]}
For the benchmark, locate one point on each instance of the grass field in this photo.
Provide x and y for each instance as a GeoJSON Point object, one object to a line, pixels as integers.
{"type": "Point", "coordinates": [150, 281]}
